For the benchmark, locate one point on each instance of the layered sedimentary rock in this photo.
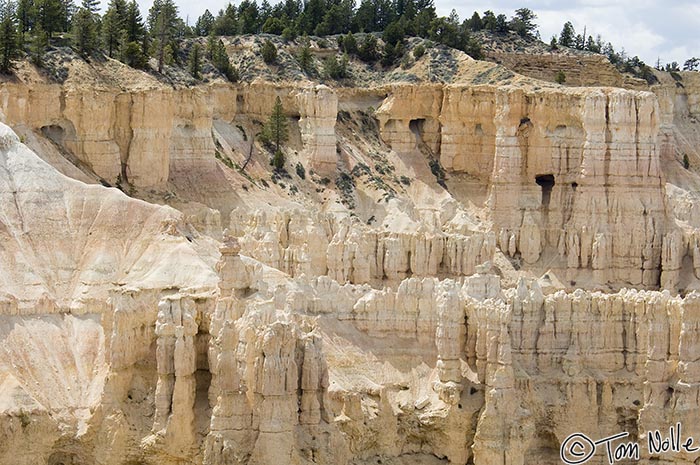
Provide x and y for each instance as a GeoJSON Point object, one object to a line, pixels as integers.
{"type": "Point", "coordinates": [412, 300]}
{"type": "Point", "coordinates": [346, 250]}
{"type": "Point", "coordinates": [571, 175]}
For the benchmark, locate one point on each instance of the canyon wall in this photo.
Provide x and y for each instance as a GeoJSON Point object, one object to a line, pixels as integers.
{"type": "Point", "coordinates": [442, 273]}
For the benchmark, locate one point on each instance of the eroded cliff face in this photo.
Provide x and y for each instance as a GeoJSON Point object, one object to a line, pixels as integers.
{"type": "Point", "coordinates": [444, 273]}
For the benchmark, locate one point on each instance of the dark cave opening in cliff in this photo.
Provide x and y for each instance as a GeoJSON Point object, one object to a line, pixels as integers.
{"type": "Point", "coordinates": [416, 127]}
{"type": "Point", "coordinates": [546, 182]}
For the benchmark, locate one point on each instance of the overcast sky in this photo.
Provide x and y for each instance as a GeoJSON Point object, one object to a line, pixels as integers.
{"type": "Point", "coordinates": [650, 29]}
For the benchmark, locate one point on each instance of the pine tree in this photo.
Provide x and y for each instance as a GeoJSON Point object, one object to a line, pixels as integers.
{"type": "Point", "coordinates": [163, 25]}
{"type": "Point", "coordinates": [248, 17]}
{"type": "Point", "coordinates": [524, 22]}
{"type": "Point", "coordinates": [135, 29]}
{"type": "Point", "coordinates": [304, 56]}
{"type": "Point", "coordinates": [195, 65]}
{"type": "Point", "coordinates": [335, 69]}
{"type": "Point", "coordinates": [216, 52]}
{"type": "Point", "coordinates": [275, 131]}
{"type": "Point", "coordinates": [474, 23]}
{"type": "Point", "coordinates": [204, 24]}
{"type": "Point", "coordinates": [368, 51]}
{"type": "Point", "coordinates": [25, 18]}
{"type": "Point", "coordinates": [269, 52]}
{"type": "Point", "coordinates": [120, 6]}
{"type": "Point", "coordinates": [50, 16]}
{"type": "Point", "coordinates": [350, 44]}
{"type": "Point", "coordinates": [8, 35]}
{"type": "Point", "coordinates": [568, 35]}
{"type": "Point", "coordinates": [226, 23]}
{"type": "Point", "coordinates": [93, 6]}
{"type": "Point", "coordinates": [112, 31]}
{"type": "Point", "coordinates": [40, 40]}
{"type": "Point", "coordinates": [312, 16]}
{"type": "Point", "coordinates": [132, 54]}
{"type": "Point", "coordinates": [67, 10]}
{"type": "Point", "coordinates": [84, 32]}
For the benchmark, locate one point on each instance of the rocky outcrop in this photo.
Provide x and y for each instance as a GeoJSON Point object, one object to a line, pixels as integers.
{"type": "Point", "coordinates": [348, 251]}
{"type": "Point", "coordinates": [560, 167]}
{"type": "Point", "coordinates": [318, 110]}
{"type": "Point", "coordinates": [420, 287]}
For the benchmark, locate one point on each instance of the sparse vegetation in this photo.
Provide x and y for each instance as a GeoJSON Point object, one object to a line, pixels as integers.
{"type": "Point", "coordinates": [438, 171]}
{"type": "Point", "coordinates": [346, 188]}
{"type": "Point", "coordinates": [418, 51]}
{"type": "Point", "coordinates": [686, 161]}
{"type": "Point", "coordinates": [305, 58]}
{"type": "Point", "coordinates": [276, 131]}
{"type": "Point", "coordinates": [24, 418]}
{"type": "Point", "coordinates": [301, 172]}
{"type": "Point", "coordinates": [195, 65]}
{"type": "Point", "coordinates": [278, 160]}
{"type": "Point", "coordinates": [336, 69]}
{"type": "Point", "coordinates": [269, 52]}
{"type": "Point", "coordinates": [560, 77]}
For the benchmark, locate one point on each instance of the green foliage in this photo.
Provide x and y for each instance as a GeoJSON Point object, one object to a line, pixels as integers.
{"type": "Point", "coordinates": [686, 161]}
{"type": "Point", "coordinates": [92, 6]}
{"type": "Point", "coordinates": [132, 54]}
{"type": "Point", "coordinates": [336, 69]}
{"type": "Point", "coordinates": [392, 53]}
{"type": "Point", "coordinates": [134, 26]}
{"type": "Point", "coordinates": [205, 24]}
{"type": "Point", "coordinates": [275, 132]}
{"type": "Point", "coordinates": [248, 17]}
{"type": "Point", "coordinates": [50, 16]}
{"type": "Point", "coordinates": [216, 52]}
{"type": "Point", "coordinates": [163, 26]}
{"type": "Point", "coordinates": [418, 51]}
{"type": "Point", "coordinates": [84, 32]}
{"type": "Point", "coordinates": [25, 18]}
{"type": "Point", "coordinates": [289, 34]}
{"type": "Point", "coordinates": [305, 58]}
{"type": "Point", "coordinates": [394, 33]}
{"type": "Point", "coordinates": [337, 18]}
{"type": "Point", "coordinates": [301, 172]}
{"type": "Point", "coordinates": [438, 171]}
{"type": "Point", "coordinates": [523, 22]}
{"type": "Point", "coordinates": [568, 35]}
{"type": "Point", "coordinates": [278, 160]}
{"type": "Point", "coordinates": [112, 31]}
{"type": "Point", "coordinates": [195, 61]}
{"type": "Point", "coordinates": [560, 77]}
{"type": "Point", "coordinates": [349, 44]}
{"type": "Point", "coordinates": [269, 52]}
{"type": "Point", "coordinates": [475, 23]}
{"type": "Point", "coordinates": [369, 50]}
{"type": "Point", "coordinates": [274, 26]}
{"type": "Point", "coordinates": [592, 45]}
{"type": "Point", "coordinates": [226, 23]}
{"type": "Point", "coordinates": [40, 41]}
{"type": "Point", "coordinates": [691, 64]}
{"type": "Point", "coordinates": [553, 43]}
{"type": "Point", "coordinates": [449, 32]}
{"type": "Point", "coordinates": [9, 48]}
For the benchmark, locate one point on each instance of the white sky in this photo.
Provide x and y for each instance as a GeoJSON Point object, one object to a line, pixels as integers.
{"type": "Point", "coordinates": [667, 30]}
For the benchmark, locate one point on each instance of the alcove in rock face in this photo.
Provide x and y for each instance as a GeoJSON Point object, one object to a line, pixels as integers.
{"type": "Point", "coordinates": [546, 182]}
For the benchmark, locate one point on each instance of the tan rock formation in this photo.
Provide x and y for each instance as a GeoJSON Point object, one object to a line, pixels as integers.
{"type": "Point", "coordinates": [470, 274]}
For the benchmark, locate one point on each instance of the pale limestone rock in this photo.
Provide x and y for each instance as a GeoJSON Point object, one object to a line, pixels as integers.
{"type": "Point", "coordinates": [318, 110]}
{"type": "Point", "coordinates": [319, 338]}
